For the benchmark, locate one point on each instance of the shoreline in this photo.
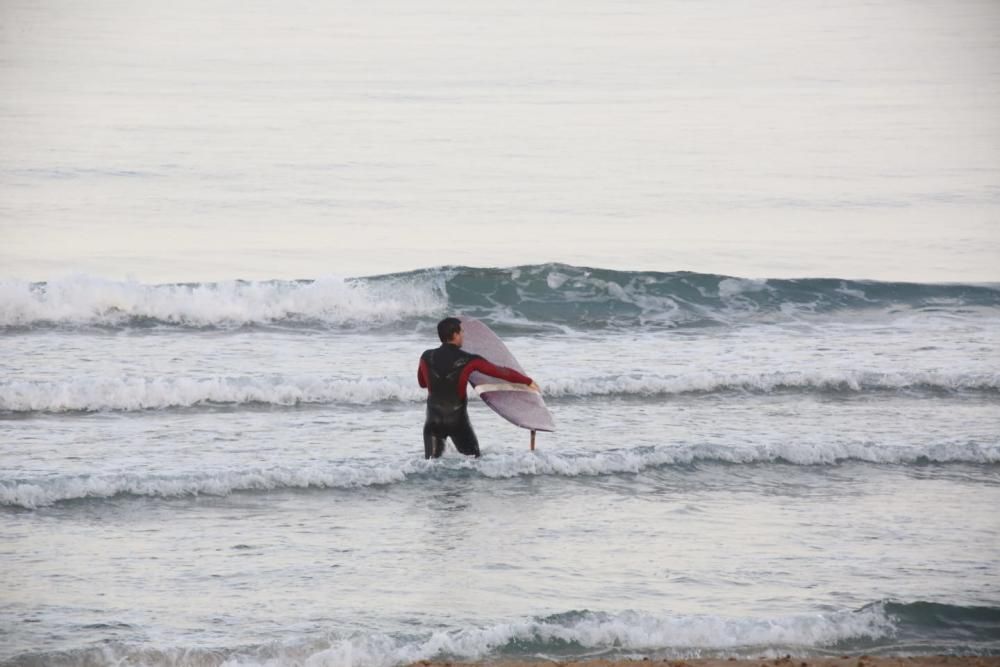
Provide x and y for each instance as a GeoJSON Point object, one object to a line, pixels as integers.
{"type": "Point", "coordinates": [786, 661]}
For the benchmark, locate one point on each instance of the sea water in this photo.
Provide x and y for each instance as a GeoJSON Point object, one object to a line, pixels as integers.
{"type": "Point", "coordinates": [749, 252]}
{"type": "Point", "coordinates": [805, 466]}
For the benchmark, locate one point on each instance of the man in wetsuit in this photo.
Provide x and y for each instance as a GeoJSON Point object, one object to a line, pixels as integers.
{"type": "Point", "coordinates": [444, 372]}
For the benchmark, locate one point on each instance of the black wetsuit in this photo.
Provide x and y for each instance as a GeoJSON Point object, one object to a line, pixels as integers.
{"type": "Point", "coordinates": [445, 371]}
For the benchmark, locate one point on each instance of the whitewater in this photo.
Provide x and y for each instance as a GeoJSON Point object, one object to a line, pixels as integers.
{"type": "Point", "coordinates": [742, 467]}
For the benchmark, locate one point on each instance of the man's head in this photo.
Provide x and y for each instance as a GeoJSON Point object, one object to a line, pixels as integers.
{"type": "Point", "coordinates": [450, 331]}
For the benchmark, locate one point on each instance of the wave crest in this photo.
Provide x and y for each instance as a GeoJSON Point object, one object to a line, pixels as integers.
{"type": "Point", "coordinates": [620, 633]}
{"type": "Point", "coordinates": [885, 627]}
{"type": "Point", "coordinates": [130, 394]}
{"type": "Point", "coordinates": [159, 393]}
{"type": "Point", "coordinates": [354, 474]}
{"type": "Point", "coordinates": [546, 295]}
{"type": "Point", "coordinates": [88, 301]}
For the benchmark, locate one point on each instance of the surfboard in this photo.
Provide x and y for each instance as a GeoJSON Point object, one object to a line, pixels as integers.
{"type": "Point", "coordinates": [517, 403]}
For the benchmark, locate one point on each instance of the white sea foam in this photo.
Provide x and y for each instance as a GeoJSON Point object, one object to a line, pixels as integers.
{"type": "Point", "coordinates": [44, 491]}
{"type": "Point", "coordinates": [634, 460]}
{"type": "Point", "coordinates": [84, 300]}
{"type": "Point", "coordinates": [621, 633]}
{"type": "Point", "coordinates": [554, 279]}
{"type": "Point", "coordinates": [107, 394]}
{"type": "Point", "coordinates": [853, 293]}
{"type": "Point", "coordinates": [141, 393]}
{"type": "Point", "coordinates": [578, 297]}
{"type": "Point", "coordinates": [626, 631]}
{"type": "Point", "coordinates": [731, 287]}
{"type": "Point", "coordinates": [818, 380]}
{"type": "Point", "coordinates": [51, 490]}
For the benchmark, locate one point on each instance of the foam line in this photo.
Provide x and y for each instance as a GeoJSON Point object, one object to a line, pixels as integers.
{"type": "Point", "coordinates": [547, 295]}
{"type": "Point", "coordinates": [35, 492]}
{"type": "Point", "coordinates": [102, 394]}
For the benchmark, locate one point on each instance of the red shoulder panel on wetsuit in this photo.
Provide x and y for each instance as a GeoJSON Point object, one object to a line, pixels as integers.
{"type": "Point", "coordinates": [422, 374]}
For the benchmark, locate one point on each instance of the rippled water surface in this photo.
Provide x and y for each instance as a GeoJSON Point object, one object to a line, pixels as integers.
{"type": "Point", "coordinates": [740, 466]}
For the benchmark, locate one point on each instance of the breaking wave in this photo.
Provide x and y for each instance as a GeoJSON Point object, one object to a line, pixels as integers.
{"type": "Point", "coordinates": [354, 474]}
{"type": "Point", "coordinates": [881, 627]}
{"type": "Point", "coordinates": [88, 301]}
{"type": "Point", "coordinates": [547, 295]}
{"type": "Point", "coordinates": [158, 393]}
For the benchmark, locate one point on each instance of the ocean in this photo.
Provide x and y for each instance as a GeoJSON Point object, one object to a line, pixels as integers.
{"type": "Point", "coordinates": [741, 467]}
{"type": "Point", "coordinates": [749, 251]}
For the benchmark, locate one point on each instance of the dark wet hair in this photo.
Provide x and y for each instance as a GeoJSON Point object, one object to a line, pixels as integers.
{"type": "Point", "coordinates": [448, 327]}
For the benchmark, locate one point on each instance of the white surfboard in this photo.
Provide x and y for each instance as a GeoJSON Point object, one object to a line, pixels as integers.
{"type": "Point", "coordinates": [517, 403]}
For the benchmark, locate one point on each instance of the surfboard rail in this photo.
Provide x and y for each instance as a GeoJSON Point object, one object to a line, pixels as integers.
{"type": "Point", "coordinates": [488, 387]}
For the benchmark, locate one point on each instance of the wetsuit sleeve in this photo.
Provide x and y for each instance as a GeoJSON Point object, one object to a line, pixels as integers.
{"type": "Point", "coordinates": [422, 374]}
{"type": "Point", "coordinates": [502, 372]}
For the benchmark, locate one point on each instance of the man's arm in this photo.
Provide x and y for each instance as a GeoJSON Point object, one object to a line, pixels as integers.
{"type": "Point", "coordinates": [502, 372]}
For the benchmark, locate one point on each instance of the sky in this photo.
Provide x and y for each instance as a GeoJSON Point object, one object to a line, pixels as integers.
{"type": "Point", "coordinates": [218, 140]}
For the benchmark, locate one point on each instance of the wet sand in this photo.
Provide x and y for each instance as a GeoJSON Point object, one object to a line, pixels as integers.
{"type": "Point", "coordinates": [787, 661]}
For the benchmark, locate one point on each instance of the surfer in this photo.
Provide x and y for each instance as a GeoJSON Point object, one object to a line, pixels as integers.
{"type": "Point", "coordinates": [444, 372]}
